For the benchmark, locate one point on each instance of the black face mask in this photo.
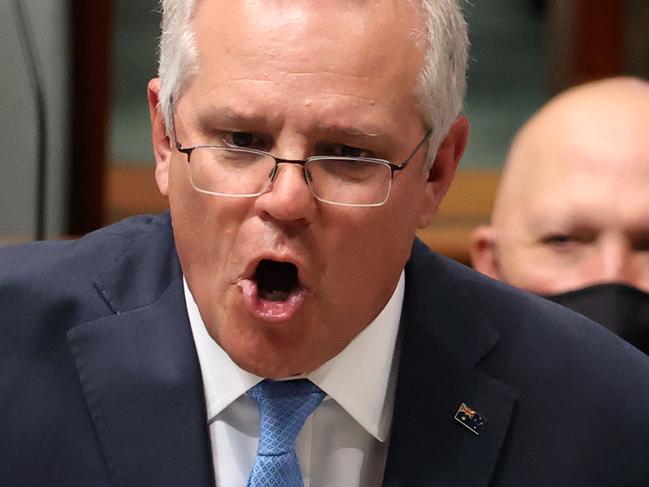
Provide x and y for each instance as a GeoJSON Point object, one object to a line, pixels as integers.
{"type": "Point", "coordinates": [622, 309]}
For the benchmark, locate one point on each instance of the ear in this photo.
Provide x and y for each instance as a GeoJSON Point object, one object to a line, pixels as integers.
{"type": "Point", "coordinates": [483, 251]}
{"type": "Point", "coordinates": [161, 143]}
{"type": "Point", "coordinates": [443, 169]}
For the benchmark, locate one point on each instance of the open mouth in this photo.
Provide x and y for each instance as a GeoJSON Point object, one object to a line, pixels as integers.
{"type": "Point", "coordinates": [273, 293]}
{"type": "Point", "coordinates": [276, 280]}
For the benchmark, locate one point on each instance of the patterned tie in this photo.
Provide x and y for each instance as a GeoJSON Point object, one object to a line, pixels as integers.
{"type": "Point", "coordinates": [283, 408]}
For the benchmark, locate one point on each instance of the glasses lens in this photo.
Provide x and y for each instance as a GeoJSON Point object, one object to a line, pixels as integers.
{"type": "Point", "coordinates": [231, 172]}
{"type": "Point", "coordinates": [349, 181]}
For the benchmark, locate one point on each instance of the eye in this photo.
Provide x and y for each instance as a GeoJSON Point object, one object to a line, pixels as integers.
{"type": "Point", "coordinates": [343, 150]}
{"type": "Point", "coordinates": [348, 151]}
{"type": "Point", "coordinates": [563, 242]}
{"type": "Point", "coordinates": [558, 239]}
{"type": "Point", "coordinates": [641, 243]}
{"type": "Point", "coordinates": [246, 140]}
{"type": "Point", "coordinates": [242, 139]}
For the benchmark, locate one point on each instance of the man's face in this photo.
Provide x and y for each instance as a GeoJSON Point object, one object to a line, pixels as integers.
{"type": "Point", "coordinates": [577, 210]}
{"type": "Point", "coordinates": [299, 79]}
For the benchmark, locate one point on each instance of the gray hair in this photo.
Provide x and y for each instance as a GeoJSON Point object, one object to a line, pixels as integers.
{"type": "Point", "coordinates": [442, 83]}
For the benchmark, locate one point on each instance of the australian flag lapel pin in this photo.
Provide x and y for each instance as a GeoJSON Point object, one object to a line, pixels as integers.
{"type": "Point", "coordinates": [470, 419]}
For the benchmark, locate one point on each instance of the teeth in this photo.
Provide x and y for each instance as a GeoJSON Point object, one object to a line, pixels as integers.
{"type": "Point", "coordinates": [275, 295]}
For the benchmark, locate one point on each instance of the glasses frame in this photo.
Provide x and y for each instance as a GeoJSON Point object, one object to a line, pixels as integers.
{"type": "Point", "coordinates": [302, 162]}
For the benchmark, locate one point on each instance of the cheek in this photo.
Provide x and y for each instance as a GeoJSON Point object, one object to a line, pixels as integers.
{"type": "Point", "coordinates": [376, 243]}
{"type": "Point", "coordinates": [408, 209]}
{"type": "Point", "coordinates": [206, 229]}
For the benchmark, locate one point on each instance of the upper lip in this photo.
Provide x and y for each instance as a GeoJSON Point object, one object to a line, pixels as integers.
{"type": "Point", "coordinates": [252, 265]}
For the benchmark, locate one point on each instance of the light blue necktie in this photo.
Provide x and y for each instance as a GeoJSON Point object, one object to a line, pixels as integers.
{"type": "Point", "coordinates": [283, 406]}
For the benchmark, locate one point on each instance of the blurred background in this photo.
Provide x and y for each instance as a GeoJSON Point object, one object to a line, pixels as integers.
{"type": "Point", "coordinates": [90, 163]}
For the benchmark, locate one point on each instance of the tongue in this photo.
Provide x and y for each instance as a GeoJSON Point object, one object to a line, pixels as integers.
{"type": "Point", "coordinates": [275, 295]}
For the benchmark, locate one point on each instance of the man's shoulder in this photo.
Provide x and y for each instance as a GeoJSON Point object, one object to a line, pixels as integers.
{"type": "Point", "coordinates": [511, 311]}
{"type": "Point", "coordinates": [575, 385]}
{"type": "Point", "coordinates": [538, 342]}
{"type": "Point", "coordinates": [56, 271]}
{"type": "Point", "coordinates": [92, 251]}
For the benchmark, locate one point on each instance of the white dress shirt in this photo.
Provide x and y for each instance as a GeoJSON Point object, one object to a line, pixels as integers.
{"type": "Point", "coordinates": [344, 442]}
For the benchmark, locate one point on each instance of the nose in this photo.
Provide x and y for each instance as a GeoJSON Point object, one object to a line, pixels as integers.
{"type": "Point", "coordinates": [290, 199]}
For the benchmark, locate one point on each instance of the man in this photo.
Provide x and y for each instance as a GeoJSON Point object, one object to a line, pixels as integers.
{"type": "Point", "coordinates": [141, 354]}
{"type": "Point", "coordinates": [571, 218]}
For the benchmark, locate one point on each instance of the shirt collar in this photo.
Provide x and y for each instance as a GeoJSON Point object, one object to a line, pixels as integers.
{"type": "Point", "coordinates": [361, 378]}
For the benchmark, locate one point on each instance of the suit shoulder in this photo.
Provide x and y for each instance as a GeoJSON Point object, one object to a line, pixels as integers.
{"type": "Point", "coordinates": [536, 337]}
{"type": "Point", "coordinates": [46, 267]}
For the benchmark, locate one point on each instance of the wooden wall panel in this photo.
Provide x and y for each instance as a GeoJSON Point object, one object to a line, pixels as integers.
{"type": "Point", "coordinates": [91, 27]}
{"type": "Point", "coordinates": [586, 41]}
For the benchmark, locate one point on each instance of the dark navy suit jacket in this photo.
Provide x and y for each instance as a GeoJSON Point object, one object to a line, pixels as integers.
{"type": "Point", "coordinates": [100, 383]}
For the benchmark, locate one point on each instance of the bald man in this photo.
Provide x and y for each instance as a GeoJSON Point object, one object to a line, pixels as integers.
{"type": "Point", "coordinates": [571, 217]}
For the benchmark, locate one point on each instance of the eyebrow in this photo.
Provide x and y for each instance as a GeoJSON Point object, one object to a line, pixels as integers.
{"type": "Point", "coordinates": [211, 117]}
{"type": "Point", "coordinates": [229, 117]}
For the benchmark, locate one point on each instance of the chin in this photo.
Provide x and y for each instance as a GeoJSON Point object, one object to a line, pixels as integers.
{"type": "Point", "coordinates": [266, 354]}
{"type": "Point", "coordinates": [268, 365]}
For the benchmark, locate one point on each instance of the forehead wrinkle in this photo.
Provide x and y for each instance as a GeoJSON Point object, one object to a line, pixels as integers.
{"type": "Point", "coordinates": [323, 91]}
{"type": "Point", "coordinates": [327, 72]}
{"type": "Point", "coordinates": [326, 76]}
{"type": "Point", "coordinates": [311, 96]}
{"type": "Point", "coordinates": [252, 108]}
{"type": "Point", "coordinates": [361, 133]}
{"type": "Point", "coordinates": [349, 129]}
{"type": "Point", "coordinates": [349, 95]}
{"type": "Point", "coordinates": [233, 117]}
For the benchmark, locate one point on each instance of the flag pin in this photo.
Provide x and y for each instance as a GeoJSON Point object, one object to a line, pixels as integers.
{"type": "Point", "coordinates": [470, 419]}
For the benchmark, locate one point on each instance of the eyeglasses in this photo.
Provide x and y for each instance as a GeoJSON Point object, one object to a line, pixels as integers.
{"type": "Point", "coordinates": [245, 173]}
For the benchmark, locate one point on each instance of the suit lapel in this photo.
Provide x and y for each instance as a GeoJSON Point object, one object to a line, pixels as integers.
{"type": "Point", "coordinates": [140, 375]}
{"type": "Point", "coordinates": [443, 339]}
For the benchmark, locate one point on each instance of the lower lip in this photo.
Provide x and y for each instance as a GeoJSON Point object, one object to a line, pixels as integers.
{"type": "Point", "coordinates": [270, 311]}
